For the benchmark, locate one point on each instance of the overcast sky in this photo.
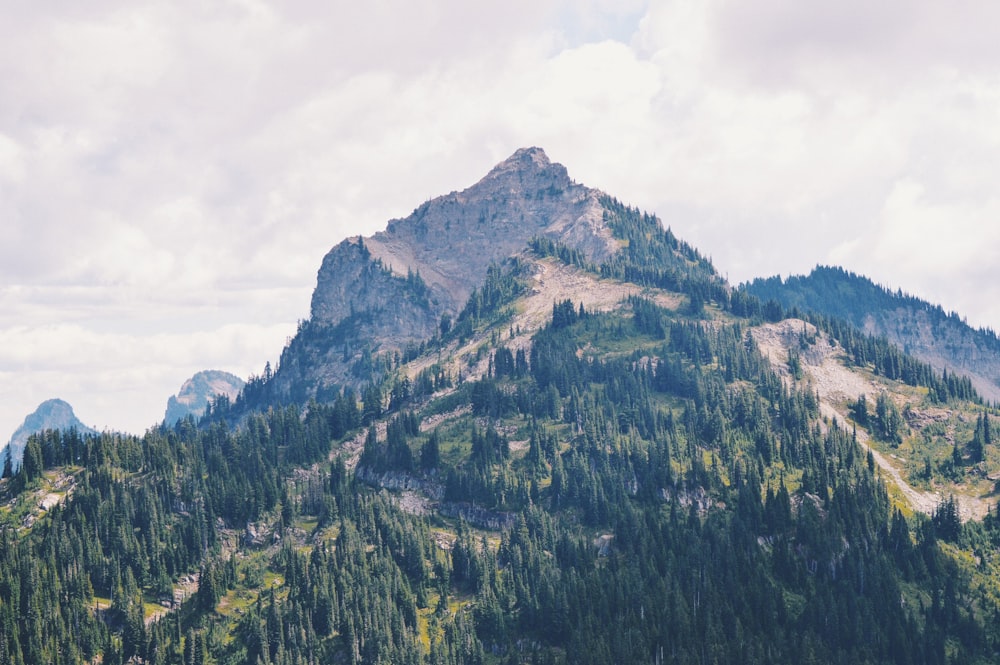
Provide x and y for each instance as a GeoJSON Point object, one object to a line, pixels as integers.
{"type": "Point", "coordinates": [172, 173]}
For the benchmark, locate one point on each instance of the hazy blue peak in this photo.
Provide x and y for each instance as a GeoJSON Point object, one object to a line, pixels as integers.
{"type": "Point", "coordinates": [50, 414]}
{"type": "Point", "coordinates": [196, 392]}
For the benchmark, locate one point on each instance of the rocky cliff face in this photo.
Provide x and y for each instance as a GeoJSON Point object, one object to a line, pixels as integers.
{"type": "Point", "coordinates": [944, 342]}
{"type": "Point", "coordinates": [50, 414]}
{"type": "Point", "coordinates": [194, 395]}
{"type": "Point", "coordinates": [392, 288]}
{"type": "Point", "coordinates": [451, 241]}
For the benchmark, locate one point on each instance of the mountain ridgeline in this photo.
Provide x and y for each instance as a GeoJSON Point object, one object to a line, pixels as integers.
{"type": "Point", "coordinates": [525, 425]}
{"type": "Point", "coordinates": [919, 328]}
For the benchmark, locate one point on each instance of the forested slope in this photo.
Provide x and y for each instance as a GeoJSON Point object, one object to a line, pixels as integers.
{"type": "Point", "coordinates": [618, 481]}
{"type": "Point", "coordinates": [640, 487]}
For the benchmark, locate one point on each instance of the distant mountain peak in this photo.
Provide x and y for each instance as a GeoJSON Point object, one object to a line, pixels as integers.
{"type": "Point", "coordinates": [54, 406]}
{"type": "Point", "coordinates": [196, 392]}
{"type": "Point", "coordinates": [50, 414]}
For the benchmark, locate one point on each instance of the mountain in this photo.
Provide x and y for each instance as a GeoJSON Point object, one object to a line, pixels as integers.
{"type": "Point", "coordinates": [582, 447]}
{"type": "Point", "coordinates": [924, 330]}
{"type": "Point", "coordinates": [394, 287]}
{"type": "Point", "coordinates": [399, 286]}
{"type": "Point", "coordinates": [50, 414]}
{"type": "Point", "coordinates": [196, 393]}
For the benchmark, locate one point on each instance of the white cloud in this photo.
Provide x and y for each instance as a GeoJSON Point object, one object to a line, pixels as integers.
{"type": "Point", "coordinates": [168, 169]}
{"type": "Point", "coordinates": [11, 162]}
{"type": "Point", "coordinates": [852, 45]}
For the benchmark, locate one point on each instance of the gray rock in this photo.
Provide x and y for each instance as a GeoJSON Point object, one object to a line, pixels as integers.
{"type": "Point", "coordinates": [195, 394]}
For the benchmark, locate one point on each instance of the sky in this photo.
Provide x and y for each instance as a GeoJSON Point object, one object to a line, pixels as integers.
{"type": "Point", "coordinates": [172, 172]}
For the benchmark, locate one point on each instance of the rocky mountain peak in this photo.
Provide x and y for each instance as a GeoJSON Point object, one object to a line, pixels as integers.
{"type": "Point", "coordinates": [451, 240]}
{"type": "Point", "coordinates": [394, 286]}
{"type": "Point", "coordinates": [196, 392]}
{"type": "Point", "coordinates": [523, 162]}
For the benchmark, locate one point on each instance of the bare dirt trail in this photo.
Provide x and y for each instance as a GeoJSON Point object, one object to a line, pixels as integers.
{"type": "Point", "coordinates": [924, 502]}
{"type": "Point", "coordinates": [823, 365]}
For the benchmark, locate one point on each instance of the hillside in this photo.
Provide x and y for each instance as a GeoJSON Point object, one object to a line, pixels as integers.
{"type": "Point", "coordinates": [592, 457]}
{"type": "Point", "coordinates": [943, 340]}
{"type": "Point", "coordinates": [803, 354]}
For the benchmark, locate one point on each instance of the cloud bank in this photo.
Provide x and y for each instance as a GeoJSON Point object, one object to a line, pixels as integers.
{"type": "Point", "coordinates": [171, 174]}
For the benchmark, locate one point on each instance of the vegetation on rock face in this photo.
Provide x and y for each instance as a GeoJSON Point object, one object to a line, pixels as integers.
{"type": "Point", "coordinates": [649, 255]}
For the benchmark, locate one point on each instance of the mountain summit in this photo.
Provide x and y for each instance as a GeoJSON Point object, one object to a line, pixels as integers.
{"type": "Point", "coordinates": [451, 240]}
{"type": "Point", "coordinates": [196, 393]}
{"type": "Point", "coordinates": [394, 287]}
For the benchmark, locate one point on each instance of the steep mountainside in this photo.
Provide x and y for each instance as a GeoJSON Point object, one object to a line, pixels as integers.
{"type": "Point", "coordinates": [196, 392]}
{"type": "Point", "coordinates": [943, 340]}
{"type": "Point", "coordinates": [50, 414]}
